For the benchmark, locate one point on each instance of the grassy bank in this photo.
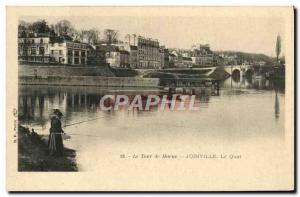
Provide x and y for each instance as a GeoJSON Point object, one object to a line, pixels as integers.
{"type": "Point", "coordinates": [32, 155]}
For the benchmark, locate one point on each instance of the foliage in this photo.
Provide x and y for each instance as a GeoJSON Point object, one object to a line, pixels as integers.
{"type": "Point", "coordinates": [40, 27]}
{"type": "Point", "coordinates": [65, 28]}
{"type": "Point", "coordinates": [250, 57]}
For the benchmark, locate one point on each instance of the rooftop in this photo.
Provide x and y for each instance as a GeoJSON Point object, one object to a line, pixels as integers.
{"type": "Point", "coordinates": [60, 39]}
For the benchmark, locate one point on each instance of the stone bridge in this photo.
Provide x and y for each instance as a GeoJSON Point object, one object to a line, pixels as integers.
{"type": "Point", "coordinates": [241, 70]}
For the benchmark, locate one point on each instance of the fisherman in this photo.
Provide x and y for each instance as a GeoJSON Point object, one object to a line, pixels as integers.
{"type": "Point", "coordinates": [56, 132]}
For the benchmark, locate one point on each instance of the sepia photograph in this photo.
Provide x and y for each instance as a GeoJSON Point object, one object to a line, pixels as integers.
{"type": "Point", "coordinates": [150, 98]}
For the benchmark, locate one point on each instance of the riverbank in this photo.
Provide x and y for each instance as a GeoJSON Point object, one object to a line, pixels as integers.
{"type": "Point", "coordinates": [48, 70]}
{"type": "Point", "coordinates": [42, 70]}
{"type": "Point", "coordinates": [98, 81]}
{"type": "Point", "coordinates": [32, 154]}
{"type": "Point", "coordinates": [111, 77]}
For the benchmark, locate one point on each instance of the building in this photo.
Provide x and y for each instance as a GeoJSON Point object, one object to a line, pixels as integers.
{"type": "Point", "coordinates": [148, 51]}
{"type": "Point", "coordinates": [259, 63]}
{"type": "Point", "coordinates": [34, 48]}
{"type": "Point", "coordinates": [64, 51]}
{"type": "Point", "coordinates": [172, 60]}
{"type": "Point", "coordinates": [228, 59]}
{"type": "Point", "coordinates": [187, 62]}
{"type": "Point", "coordinates": [114, 56]}
{"type": "Point", "coordinates": [162, 57]}
{"type": "Point", "coordinates": [180, 60]}
{"type": "Point", "coordinates": [124, 59]}
{"type": "Point", "coordinates": [43, 48]}
{"type": "Point", "coordinates": [95, 56]}
{"type": "Point", "coordinates": [134, 61]}
{"type": "Point", "coordinates": [203, 56]}
{"type": "Point", "coordinates": [167, 59]}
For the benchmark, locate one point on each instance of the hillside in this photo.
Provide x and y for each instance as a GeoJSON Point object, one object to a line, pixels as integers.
{"type": "Point", "coordinates": [250, 57]}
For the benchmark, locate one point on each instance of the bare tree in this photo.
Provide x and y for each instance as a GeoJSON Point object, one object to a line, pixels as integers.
{"type": "Point", "coordinates": [110, 36]}
{"type": "Point", "coordinates": [64, 27]}
{"type": "Point", "coordinates": [79, 35]}
{"type": "Point", "coordinates": [91, 36]}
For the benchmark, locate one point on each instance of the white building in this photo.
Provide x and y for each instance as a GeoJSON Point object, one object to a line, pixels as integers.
{"type": "Point", "coordinates": [65, 51]}
{"type": "Point", "coordinates": [34, 49]}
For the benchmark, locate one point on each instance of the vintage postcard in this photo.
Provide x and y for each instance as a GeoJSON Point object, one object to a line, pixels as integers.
{"type": "Point", "coordinates": [150, 98]}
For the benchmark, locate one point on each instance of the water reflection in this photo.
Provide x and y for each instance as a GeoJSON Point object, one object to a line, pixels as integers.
{"type": "Point", "coordinates": [244, 104]}
{"type": "Point", "coordinates": [36, 102]}
{"type": "Point", "coordinates": [277, 105]}
{"type": "Point", "coordinates": [257, 83]}
{"type": "Point", "coordinates": [243, 112]}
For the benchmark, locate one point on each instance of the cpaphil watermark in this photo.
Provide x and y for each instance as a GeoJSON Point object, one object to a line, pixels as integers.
{"type": "Point", "coordinates": [173, 102]}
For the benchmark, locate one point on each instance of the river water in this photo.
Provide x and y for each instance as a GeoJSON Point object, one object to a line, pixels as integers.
{"type": "Point", "coordinates": [242, 114]}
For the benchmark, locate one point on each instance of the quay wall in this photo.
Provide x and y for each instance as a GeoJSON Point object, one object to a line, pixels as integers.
{"type": "Point", "coordinates": [89, 81]}
{"type": "Point", "coordinates": [60, 70]}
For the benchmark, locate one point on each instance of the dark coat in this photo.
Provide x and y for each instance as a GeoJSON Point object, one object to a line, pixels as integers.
{"type": "Point", "coordinates": [56, 125]}
{"type": "Point", "coordinates": [55, 138]}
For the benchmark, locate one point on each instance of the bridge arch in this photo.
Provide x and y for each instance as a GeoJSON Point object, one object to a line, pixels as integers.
{"type": "Point", "coordinates": [249, 73]}
{"type": "Point", "coordinates": [236, 75]}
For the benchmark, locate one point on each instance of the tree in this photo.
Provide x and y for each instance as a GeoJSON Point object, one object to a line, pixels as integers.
{"type": "Point", "coordinates": [91, 36]}
{"type": "Point", "coordinates": [110, 36]}
{"type": "Point", "coordinates": [22, 29]}
{"type": "Point", "coordinates": [39, 27]}
{"type": "Point", "coordinates": [278, 48]}
{"type": "Point", "coordinates": [79, 35]}
{"type": "Point", "coordinates": [64, 27]}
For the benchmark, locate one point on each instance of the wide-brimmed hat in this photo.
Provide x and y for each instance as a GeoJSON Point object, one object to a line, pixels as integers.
{"type": "Point", "coordinates": [57, 112]}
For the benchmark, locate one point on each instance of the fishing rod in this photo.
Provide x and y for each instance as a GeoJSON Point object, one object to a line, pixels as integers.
{"type": "Point", "coordinates": [82, 122]}
{"type": "Point", "coordinates": [83, 135]}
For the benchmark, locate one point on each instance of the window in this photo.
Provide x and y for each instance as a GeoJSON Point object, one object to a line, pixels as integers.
{"type": "Point", "coordinates": [32, 41]}
{"type": "Point", "coordinates": [33, 51]}
{"type": "Point", "coordinates": [41, 50]}
{"type": "Point", "coordinates": [41, 41]}
{"type": "Point", "coordinates": [82, 53]}
{"type": "Point", "coordinates": [76, 60]}
{"type": "Point", "coordinates": [76, 53]}
{"type": "Point", "coordinates": [69, 61]}
{"type": "Point", "coordinates": [61, 60]}
{"type": "Point", "coordinates": [52, 52]}
{"type": "Point", "coordinates": [70, 53]}
{"type": "Point", "coordinates": [82, 60]}
{"type": "Point", "coordinates": [60, 52]}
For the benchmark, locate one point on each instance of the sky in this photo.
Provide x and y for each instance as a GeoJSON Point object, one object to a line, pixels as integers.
{"type": "Point", "coordinates": [248, 34]}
